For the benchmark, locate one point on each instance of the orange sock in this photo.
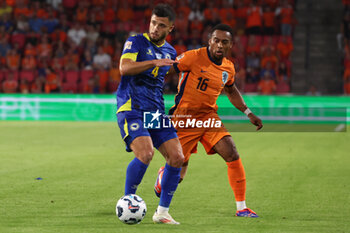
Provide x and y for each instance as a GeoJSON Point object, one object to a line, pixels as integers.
{"type": "Point", "coordinates": [236, 177]}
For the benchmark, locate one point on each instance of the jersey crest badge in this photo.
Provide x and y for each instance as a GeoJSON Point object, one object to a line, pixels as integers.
{"type": "Point", "coordinates": [149, 52]}
{"type": "Point", "coordinates": [224, 77]}
{"type": "Point", "coordinates": [134, 126]}
{"type": "Point", "coordinates": [128, 45]}
{"type": "Point", "coordinates": [168, 56]}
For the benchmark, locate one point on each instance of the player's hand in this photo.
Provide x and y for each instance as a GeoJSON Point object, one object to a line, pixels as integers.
{"type": "Point", "coordinates": [164, 62]}
{"type": "Point", "coordinates": [255, 121]}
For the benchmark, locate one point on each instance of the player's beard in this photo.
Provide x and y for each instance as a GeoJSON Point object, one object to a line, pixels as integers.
{"type": "Point", "coordinates": [218, 58]}
{"type": "Point", "coordinates": [161, 38]}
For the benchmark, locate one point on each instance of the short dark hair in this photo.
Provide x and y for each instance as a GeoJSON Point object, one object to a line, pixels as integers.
{"type": "Point", "coordinates": [164, 10]}
{"type": "Point", "coordinates": [222, 27]}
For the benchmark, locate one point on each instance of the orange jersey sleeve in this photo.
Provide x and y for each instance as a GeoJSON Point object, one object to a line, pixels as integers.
{"type": "Point", "coordinates": [186, 60]}
{"type": "Point", "coordinates": [201, 81]}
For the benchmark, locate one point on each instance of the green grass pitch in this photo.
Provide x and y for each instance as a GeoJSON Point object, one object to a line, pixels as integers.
{"type": "Point", "coordinates": [296, 182]}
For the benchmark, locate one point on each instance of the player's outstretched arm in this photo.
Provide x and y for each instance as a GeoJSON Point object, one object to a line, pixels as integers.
{"type": "Point", "coordinates": [129, 67]}
{"type": "Point", "coordinates": [236, 99]}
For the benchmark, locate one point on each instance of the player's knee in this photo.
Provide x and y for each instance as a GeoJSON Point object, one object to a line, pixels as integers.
{"type": "Point", "coordinates": [232, 154]}
{"type": "Point", "coordinates": [179, 160]}
{"type": "Point", "coordinates": [146, 155]}
{"type": "Point", "coordinates": [176, 159]}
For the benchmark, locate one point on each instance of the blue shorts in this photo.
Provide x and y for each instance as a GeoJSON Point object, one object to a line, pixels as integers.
{"type": "Point", "coordinates": [131, 125]}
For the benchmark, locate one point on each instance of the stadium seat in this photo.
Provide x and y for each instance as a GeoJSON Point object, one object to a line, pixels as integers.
{"type": "Point", "coordinates": [110, 25]}
{"type": "Point", "coordinates": [244, 40]}
{"type": "Point", "coordinates": [27, 74]}
{"type": "Point", "coordinates": [15, 74]}
{"type": "Point", "coordinates": [71, 76]}
{"type": "Point", "coordinates": [69, 87]}
{"type": "Point", "coordinates": [85, 75]}
{"type": "Point", "coordinates": [19, 39]}
{"type": "Point", "coordinates": [2, 76]}
{"type": "Point", "coordinates": [282, 88]}
{"type": "Point", "coordinates": [289, 39]}
{"type": "Point", "coordinates": [275, 39]}
{"type": "Point", "coordinates": [259, 40]}
{"type": "Point", "coordinates": [70, 4]}
{"type": "Point", "coordinates": [250, 87]}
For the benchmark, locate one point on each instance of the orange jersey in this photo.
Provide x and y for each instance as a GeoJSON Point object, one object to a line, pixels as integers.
{"type": "Point", "coordinates": [200, 82]}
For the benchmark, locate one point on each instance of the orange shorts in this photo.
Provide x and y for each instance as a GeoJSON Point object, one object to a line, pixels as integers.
{"type": "Point", "coordinates": [189, 137]}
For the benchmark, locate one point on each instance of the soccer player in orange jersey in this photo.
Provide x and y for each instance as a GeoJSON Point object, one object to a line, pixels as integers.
{"type": "Point", "coordinates": [203, 74]}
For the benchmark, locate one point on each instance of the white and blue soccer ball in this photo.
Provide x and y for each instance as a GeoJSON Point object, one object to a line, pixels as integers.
{"type": "Point", "coordinates": [131, 209]}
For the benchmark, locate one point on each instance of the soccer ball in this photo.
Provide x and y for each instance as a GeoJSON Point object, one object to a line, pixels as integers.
{"type": "Point", "coordinates": [131, 209]}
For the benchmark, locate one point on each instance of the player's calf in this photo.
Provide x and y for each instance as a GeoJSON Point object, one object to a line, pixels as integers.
{"type": "Point", "coordinates": [158, 183]}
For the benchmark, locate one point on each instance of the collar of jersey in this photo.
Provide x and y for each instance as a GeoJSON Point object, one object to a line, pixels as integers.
{"type": "Point", "coordinates": [147, 37]}
{"type": "Point", "coordinates": [211, 59]}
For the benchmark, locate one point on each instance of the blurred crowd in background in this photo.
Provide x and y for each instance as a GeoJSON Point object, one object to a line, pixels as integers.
{"type": "Point", "coordinates": [344, 39]}
{"type": "Point", "coordinates": [71, 46]}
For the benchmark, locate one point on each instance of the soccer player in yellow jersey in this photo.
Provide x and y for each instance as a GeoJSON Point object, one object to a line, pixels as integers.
{"type": "Point", "coordinates": [203, 74]}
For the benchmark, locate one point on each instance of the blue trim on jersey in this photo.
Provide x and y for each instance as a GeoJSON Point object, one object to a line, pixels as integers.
{"type": "Point", "coordinates": [176, 68]}
{"type": "Point", "coordinates": [179, 95]}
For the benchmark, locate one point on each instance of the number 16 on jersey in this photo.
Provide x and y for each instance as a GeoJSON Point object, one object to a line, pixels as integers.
{"type": "Point", "coordinates": [202, 84]}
